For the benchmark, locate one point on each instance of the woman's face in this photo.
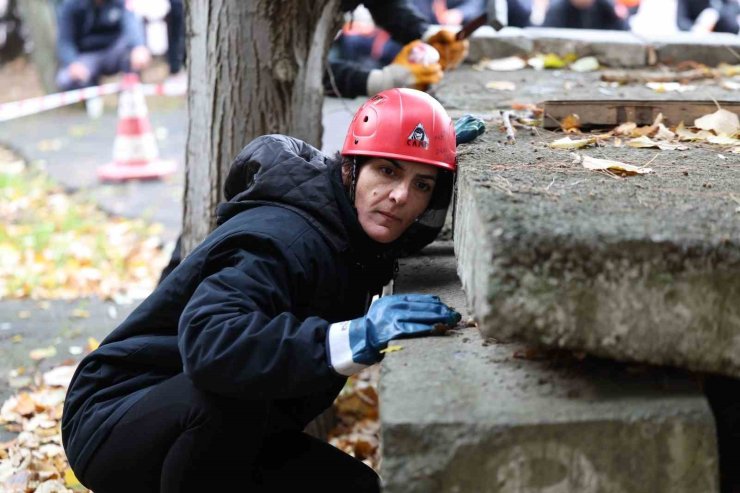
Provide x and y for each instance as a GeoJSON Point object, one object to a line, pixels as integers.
{"type": "Point", "coordinates": [390, 195]}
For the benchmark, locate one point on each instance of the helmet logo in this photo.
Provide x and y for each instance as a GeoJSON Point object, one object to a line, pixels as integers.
{"type": "Point", "coordinates": [418, 137]}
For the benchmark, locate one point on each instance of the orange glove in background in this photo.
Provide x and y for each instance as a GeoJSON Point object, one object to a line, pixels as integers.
{"type": "Point", "coordinates": [422, 60]}
{"type": "Point", "coordinates": [415, 66]}
{"type": "Point", "coordinates": [451, 51]}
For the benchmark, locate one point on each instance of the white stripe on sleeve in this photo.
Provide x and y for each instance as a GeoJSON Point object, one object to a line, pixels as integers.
{"type": "Point", "coordinates": [340, 351]}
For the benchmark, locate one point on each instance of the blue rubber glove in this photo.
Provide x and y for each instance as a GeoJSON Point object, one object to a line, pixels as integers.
{"type": "Point", "coordinates": [467, 128]}
{"type": "Point", "coordinates": [356, 344]}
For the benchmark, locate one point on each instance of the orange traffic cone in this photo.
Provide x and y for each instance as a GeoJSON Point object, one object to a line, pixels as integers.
{"type": "Point", "coordinates": [135, 153]}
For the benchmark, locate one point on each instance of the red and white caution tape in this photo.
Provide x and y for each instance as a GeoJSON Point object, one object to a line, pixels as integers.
{"type": "Point", "coordinates": [17, 109]}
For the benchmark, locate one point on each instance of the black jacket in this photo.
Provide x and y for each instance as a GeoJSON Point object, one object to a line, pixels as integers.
{"type": "Point", "coordinates": [246, 314]}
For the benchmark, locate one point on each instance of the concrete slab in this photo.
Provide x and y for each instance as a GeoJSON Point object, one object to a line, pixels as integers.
{"type": "Point", "coordinates": [464, 90]}
{"type": "Point", "coordinates": [486, 42]}
{"type": "Point", "coordinates": [612, 48]}
{"type": "Point", "coordinates": [459, 415]}
{"type": "Point", "coordinates": [644, 268]}
{"type": "Point", "coordinates": [710, 49]}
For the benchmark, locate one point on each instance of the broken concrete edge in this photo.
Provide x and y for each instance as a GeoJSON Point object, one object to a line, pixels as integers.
{"type": "Point", "coordinates": [644, 299]}
{"type": "Point", "coordinates": [612, 48]}
{"type": "Point", "coordinates": [457, 415]}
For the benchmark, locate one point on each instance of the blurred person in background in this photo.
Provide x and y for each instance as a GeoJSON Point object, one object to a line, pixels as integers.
{"type": "Point", "coordinates": [175, 20]}
{"type": "Point", "coordinates": [654, 18]}
{"type": "Point", "coordinates": [348, 77]}
{"type": "Point", "coordinates": [96, 38]}
{"type": "Point", "coordinates": [372, 47]}
{"type": "Point", "coordinates": [703, 16]}
{"type": "Point", "coordinates": [584, 14]}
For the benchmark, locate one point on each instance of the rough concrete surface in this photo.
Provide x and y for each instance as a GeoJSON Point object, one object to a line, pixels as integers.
{"type": "Point", "coordinates": [711, 49]}
{"type": "Point", "coordinates": [644, 268]}
{"type": "Point", "coordinates": [460, 414]}
{"type": "Point", "coordinates": [464, 90]}
{"type": "Point", "coordinates": [612, 48]}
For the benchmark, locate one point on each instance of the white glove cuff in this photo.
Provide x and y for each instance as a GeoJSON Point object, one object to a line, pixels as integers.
{"type": "Point", "coordinates": [340, 351]}
{"type": "Point", "coordinates": [388, 77]}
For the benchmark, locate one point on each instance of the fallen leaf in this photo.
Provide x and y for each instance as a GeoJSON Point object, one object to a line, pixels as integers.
{"type": "Point", "coordinates": [70, 480]}
{"type": "Point", "coordinates": [391, 349]}
{"type": "Point", "coordinates": [723, 139]}
{"type": "Point", "coordinates": [501, 85]}
{"type": "Point", "coordinates": [568, 143]}
{"type": "Point", "coordinates": [684, 133]}
{"type": "Point", "coordinates": [670, 87]}
{"type": "Point", "coordinates": [59, 376]}
{"type": "Point", "coordinates": [585, 64]}
{"type": "Point", "coordinates": [663, 133]}
{"type": "Point", "coordinates": [571, 123]}
{"type": "Point", "coordinates": [507, 64]}
{"type": "Point", "coordinates": [647, 142]}
{"type": "Point", "coordinates": [42, 353]}
{"type": "Point", "coordinates": [25, 405]}
{"type": "Point", "coordinates": [728, 70]}
{"type": "Point", "coordinates": [79, 313]}
{"type": "Point", "coordinates": [92, 344]}
{"type": "Point", "coordinates": [625, 128]}
{"type": "Point", "coordinates": [617, 167]}
{"type": "Point", "coordinates": [721, 122]}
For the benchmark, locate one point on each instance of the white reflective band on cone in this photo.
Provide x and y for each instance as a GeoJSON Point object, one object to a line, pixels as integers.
{"type": "Point", "coordinates": [135, 148]}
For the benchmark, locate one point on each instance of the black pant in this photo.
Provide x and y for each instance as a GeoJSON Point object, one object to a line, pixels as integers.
{"type": "Point", "coordinates": [178, 438]}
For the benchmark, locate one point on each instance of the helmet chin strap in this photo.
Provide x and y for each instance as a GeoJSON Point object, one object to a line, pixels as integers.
{"type": "Point", "coordinates": [353, 182]}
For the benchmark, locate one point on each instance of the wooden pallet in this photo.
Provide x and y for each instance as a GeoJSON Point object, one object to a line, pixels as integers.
{"type": "Point", "coordinates": [610, 112]}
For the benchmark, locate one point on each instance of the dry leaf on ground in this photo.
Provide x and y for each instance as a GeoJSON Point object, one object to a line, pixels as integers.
{"type": "Point", "coordinates": [647, 142]}
{"type": "Point", "coordinates": [501, 85]}
{"type": "Point", "coordinates": [616, 167]}
{"type": "Point", "coordinates": [507, 64]}
{"type": "Point", "coordinates": [568, 143]}
{"type": "Point", "coordinates": [625, 128]}
{"type": "Point", "coordinates": [571, 123]}
{"type": "Point", "coordinates": [684, 133]}
{"type": "Point", "coordinates": [723, 139]}
{"type": "Point", "coordinates": [720, 122]}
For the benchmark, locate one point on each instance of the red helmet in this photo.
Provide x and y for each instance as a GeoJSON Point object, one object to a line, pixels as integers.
{"type": "Point", "coordinates": [403, 124]}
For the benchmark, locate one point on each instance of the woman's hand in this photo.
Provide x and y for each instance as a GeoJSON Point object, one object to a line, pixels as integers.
{"type": "Point", "coordinates": [358, 343]}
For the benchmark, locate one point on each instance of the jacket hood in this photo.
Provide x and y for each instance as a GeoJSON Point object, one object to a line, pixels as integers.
{"type": "Point", "coordinates": [284, 171]}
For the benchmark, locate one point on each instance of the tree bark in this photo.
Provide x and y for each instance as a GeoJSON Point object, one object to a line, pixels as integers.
{"type": "Point", "coordinates": [39, 17]}
{"type": "Point", "coordinates": [254, 68]}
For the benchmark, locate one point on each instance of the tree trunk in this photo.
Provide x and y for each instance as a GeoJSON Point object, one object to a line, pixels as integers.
{"type": "Point", "coordinates": [254, 68]}
{"type": "Point", "coordinates": [39, 18]}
